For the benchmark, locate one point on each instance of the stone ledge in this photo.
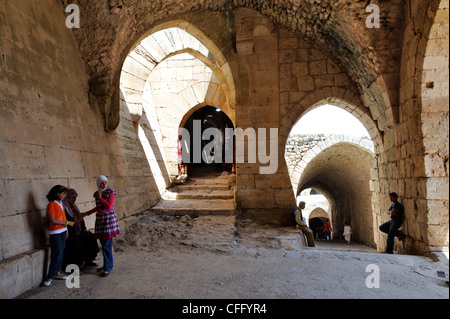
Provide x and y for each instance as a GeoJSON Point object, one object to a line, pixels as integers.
{"type": "Point", "coordinates": [26, 271]}
{"type": "Point", "coordinates": [23, 272]}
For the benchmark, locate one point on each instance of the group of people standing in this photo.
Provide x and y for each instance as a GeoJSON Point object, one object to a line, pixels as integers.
{"type": "Point", "coordinates": [70, 241]}
{"type": "Point", "coordinates": [391, 227]}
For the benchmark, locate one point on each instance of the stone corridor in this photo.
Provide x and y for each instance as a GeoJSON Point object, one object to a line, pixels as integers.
{"type": "Point", "coordinates": [137, 85]}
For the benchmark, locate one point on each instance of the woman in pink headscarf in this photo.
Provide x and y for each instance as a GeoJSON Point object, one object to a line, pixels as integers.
{"type": "Point", "coordinates": [106, 227]}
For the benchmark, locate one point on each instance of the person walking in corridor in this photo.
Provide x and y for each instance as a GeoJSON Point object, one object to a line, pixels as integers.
{"type": "Point", "coordinates": [327, 230]}
{"type": "Point", "coordinates": [106, 227]}
{"type": "Point", "coordinates": [391, 228]}
{"type": "Point", "coordinates": [347, 232]}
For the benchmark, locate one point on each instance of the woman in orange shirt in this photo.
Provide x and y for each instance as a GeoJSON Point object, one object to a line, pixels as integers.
{"type": "Point", "coordinates": [57, 231]}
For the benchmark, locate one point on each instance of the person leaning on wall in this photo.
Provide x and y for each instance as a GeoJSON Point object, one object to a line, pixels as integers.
{"type": "Point", "coordinates": [57, 232]}
{"type": "Point", "coordinates": [391, 227]}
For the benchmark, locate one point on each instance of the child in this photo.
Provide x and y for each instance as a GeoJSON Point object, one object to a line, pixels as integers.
{"type": "Point", "coordinates": [347, 232]}
{"type": "Point", "coordinates": [57, 231]}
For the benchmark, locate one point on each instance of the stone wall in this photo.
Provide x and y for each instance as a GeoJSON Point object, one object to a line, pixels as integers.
{"type": "Point", "coordinates": [419, 150]}
{"type": "Point", "coordinates": [50, 134]}
{"type": "Point", "coordinates": [274, 63]}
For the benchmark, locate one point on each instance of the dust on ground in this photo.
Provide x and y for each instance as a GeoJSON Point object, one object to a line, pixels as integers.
{"type": "Point", "coordinates": [222, 257]}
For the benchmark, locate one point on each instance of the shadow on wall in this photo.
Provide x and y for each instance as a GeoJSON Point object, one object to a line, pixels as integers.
{"type": "Point", "coordinates": [38, 224]}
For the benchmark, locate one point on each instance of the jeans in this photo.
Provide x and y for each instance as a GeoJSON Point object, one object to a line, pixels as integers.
{"type": "Point", "coordinates": [108, 262]}
{"type": "Point", "coordinates": [391, 229]}
{"type": "Point", "coordinates": [58, 244]}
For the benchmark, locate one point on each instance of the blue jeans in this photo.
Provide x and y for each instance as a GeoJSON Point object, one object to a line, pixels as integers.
{"type": "Point", "coordinates": [58, 244]}
{"type": "Point", "coordinates": [108, 261]}
{"type": "Point", "coordinates": [391, 229]}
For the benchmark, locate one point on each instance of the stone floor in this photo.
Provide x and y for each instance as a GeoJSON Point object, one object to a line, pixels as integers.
{"type": "Point", "coordinates": [219, 257]}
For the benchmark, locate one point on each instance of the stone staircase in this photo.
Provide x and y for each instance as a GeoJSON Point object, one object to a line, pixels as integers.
{"type": "Point", "coordinates": [211, 193]}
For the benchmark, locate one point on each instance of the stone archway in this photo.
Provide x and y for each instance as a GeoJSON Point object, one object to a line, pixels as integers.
{"type": "Point", "coordinates": [160, 50]}
{"type": "Point", "coordinates": [298, 163]}
{"type": "Point", "coordinates": [173, 70]}
{"type": "Point", "coordinates": [342, 173]}
{"type": "Point", "coordinates": [318, 212]}
{"type": "Point", "coordinates": [195, 145]}
{"type": "Point", "coordinates": [375, 146]}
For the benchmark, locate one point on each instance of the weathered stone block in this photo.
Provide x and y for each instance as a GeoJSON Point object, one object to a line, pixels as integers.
{"type": "Point", "coordinates": [22, 161]}
{"type": "Point", "coordinates": [62, 163]}
{"type": "Point", "coordinates": [254, 198]}
{"type": "Point", "coordinates": [318, 67]}
{"type": "Point", "coordinates": [16, 276]}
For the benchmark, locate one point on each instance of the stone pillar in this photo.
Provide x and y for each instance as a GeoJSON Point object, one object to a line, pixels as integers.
{"type": "Point", "coordinates": [267, 198]}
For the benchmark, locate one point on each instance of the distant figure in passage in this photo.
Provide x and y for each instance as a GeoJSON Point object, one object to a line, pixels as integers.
{"type": "Point", "coordinates": [347, 232]}
{"type": "Point", "coordinates": [327, 230]}
{"type": "Point", "coordinates": [181, 166]}
{"type": "Point", "coordinates": [391, 227]}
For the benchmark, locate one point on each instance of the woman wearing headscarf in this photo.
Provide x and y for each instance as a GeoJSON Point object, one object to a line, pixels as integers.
{"type": "Point", "coordinates": [106, 227]}
{"type": "Point", "coordinates": [81, 246]}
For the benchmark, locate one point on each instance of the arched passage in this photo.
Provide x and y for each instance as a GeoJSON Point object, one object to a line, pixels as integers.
{"type": "Point", "coordinates": [172, 71]}
{"type": "Point", "coordinates": [203, 150]}
{"type": "Point", "coordinates": [318, 213]}
{"type": "Point", "coordinates": [342, 171]}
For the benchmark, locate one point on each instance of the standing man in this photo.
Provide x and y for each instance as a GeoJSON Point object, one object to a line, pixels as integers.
{"type": "Point", "coordinates": [391, 227]}
{"type": "Point", "coordinates": [298, 217]}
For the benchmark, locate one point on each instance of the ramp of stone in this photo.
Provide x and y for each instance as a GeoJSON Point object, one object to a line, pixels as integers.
{"type": "Point", "coordinates": [207, 193]}
{"type": "Point", "coordinates": [194, 207]}
{"type": "Point", "coordinates": [213, 233]}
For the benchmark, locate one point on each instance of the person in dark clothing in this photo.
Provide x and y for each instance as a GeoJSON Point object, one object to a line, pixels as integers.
{"type": "Point", "coordinates": [391, 228]}
{"type": "Point", "coordinates": [81, 247]}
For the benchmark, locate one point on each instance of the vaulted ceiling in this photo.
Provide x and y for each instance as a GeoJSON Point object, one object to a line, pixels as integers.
{"type": "Point", "coordinates": [110, 28]}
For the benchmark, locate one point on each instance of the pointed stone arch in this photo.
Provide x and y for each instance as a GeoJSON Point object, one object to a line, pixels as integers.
{"type": "Point", "coordinates": [165, 42]}
{"type": "Point", "coordinates": [171, 71]}
{"type": "Point", "coordinates": [341, 173]}
{"type": "Point", "coordinates": [340, 97]}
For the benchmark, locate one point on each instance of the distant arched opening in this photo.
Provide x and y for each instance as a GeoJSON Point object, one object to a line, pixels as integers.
{"type": "Point", "coordinates": [206, 142]}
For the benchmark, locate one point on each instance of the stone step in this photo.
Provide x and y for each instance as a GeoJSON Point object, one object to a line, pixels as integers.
{"type": "Point", "coordinates": [210, 181]}
{"type": "Point", "coordinates": [206, 194]}
{"type": "Point", "coordinates": [203, 187]}
{"type": "Point", "coordinates": [200, 194]}
{"type": "Point", "coordinates": [195, 207]}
